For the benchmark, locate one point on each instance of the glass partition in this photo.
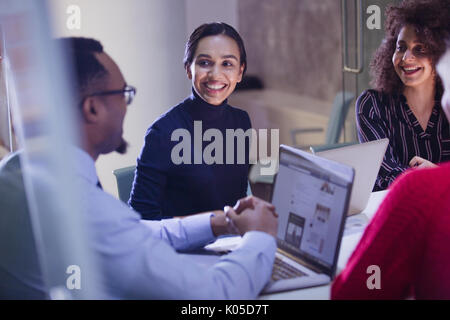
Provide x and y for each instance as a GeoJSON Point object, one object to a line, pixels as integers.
{"type": "Point", "coordinates": [37, 76]}
{"type": "Point", "coordinates": [362, 33]}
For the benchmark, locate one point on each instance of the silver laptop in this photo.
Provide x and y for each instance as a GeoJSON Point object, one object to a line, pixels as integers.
{"type": "Point", "coordinates": [311, 196]}
{"type": "Point", "coordinates": [366, 159]}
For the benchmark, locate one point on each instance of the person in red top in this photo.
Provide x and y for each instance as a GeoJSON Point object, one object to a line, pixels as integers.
{"type": "Point", "coordinates": [408, 239]}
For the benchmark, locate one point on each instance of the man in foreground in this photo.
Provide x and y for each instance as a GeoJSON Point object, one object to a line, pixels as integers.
{"type": "Point", "coordinates": [139, 259]}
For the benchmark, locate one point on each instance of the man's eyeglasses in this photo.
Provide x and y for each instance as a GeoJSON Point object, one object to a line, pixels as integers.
{"type": "Point", "coordinates": [128, 92]}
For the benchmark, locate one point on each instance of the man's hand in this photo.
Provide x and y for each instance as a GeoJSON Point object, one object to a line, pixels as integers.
{"type": "Point", "coordinates": [221, 224]}
{"type": "Point", "coordinates": [418, 162]}
{"type": "Point", "coordinates": [249, 203]}
{"type": "Point", "coordinates": [253, 214]}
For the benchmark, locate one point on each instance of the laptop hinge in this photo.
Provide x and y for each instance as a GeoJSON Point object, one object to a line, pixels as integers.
{"type": "Point", "coordinates": [299, 261]}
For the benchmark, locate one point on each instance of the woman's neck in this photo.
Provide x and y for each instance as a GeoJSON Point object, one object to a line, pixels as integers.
{"type": "Point", "coordinates": [421, 98]}
{"type": "Point", "coordinates": [421, 102]}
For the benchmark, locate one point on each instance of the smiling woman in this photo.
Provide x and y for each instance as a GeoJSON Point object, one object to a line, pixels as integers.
{"type": "Point", "coordinates": [215, 68]}
{"type": "Point", "coordinates": [405, 105]}
{"type": "Point", "coordinates": [406, 240]}
{"type": "Point", "coordinates": [412, 63]}
{"type": "Point", "coordinates": [215, 61]}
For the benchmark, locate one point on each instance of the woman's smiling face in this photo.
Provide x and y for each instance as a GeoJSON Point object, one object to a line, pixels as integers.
{"type": "Point", "coordinates": [410, 59]}
{"type": "Point", "coordinates": [216, 68]}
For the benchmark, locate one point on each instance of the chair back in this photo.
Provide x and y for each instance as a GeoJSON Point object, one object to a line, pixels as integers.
{"type": "Point", "coordinates": [20, 272]}
{"type": "Point", "coordinates": [124, 178]}
{"type": "Point", "coordinates": [338, 115]}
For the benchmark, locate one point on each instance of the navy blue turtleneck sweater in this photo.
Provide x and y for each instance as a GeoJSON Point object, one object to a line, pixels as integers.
{"type": "Point", "coordinates": [163, 189]}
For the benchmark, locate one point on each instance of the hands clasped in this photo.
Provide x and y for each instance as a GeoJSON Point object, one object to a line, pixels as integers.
{"type": "Point", "coordinates": [252, 214]}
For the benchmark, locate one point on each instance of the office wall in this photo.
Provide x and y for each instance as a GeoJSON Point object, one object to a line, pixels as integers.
{"type": "Point", "coordinates": [146, 39]}
{"type": "Point", "coordinates": [294, 46]}
{"type": "Point", "coordinates": [202, 11]}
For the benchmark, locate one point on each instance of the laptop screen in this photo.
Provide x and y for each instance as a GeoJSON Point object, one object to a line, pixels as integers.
{"type": "Point", "coordinates": [311, 196]}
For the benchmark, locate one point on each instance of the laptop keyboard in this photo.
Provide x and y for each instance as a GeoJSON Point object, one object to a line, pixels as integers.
{"type": "Point", "coordinates": [283, 270]}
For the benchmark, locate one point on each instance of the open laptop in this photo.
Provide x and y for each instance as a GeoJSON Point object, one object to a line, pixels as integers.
{"type": "Point", "coordinates": [366, 159]}
{"type": "Point", "coordinates": [311, 195]}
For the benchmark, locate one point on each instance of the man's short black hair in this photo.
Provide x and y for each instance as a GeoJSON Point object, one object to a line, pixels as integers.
{"type": "Point", "coordinates": [88, 70]}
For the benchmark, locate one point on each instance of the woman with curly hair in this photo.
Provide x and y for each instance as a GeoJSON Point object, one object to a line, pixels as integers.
{"type": "Point", "coordinates": [408, 237]}
{"type": "Point", "coordinates": [405, 105]}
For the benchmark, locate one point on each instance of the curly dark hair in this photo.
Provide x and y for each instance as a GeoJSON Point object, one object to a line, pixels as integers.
{"type": "Point", "coordinates": [431, 20]}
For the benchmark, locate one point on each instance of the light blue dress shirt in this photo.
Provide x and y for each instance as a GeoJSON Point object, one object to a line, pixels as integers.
{"type": "Point", "coordinates": [139, 259]}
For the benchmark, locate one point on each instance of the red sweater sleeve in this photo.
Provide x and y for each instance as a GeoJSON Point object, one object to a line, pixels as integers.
{"type": "Point", "coordinates": [395, 240]}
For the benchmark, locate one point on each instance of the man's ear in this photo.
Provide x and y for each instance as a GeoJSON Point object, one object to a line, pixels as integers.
{"type": "Point", "coordinates": [91, 110]}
